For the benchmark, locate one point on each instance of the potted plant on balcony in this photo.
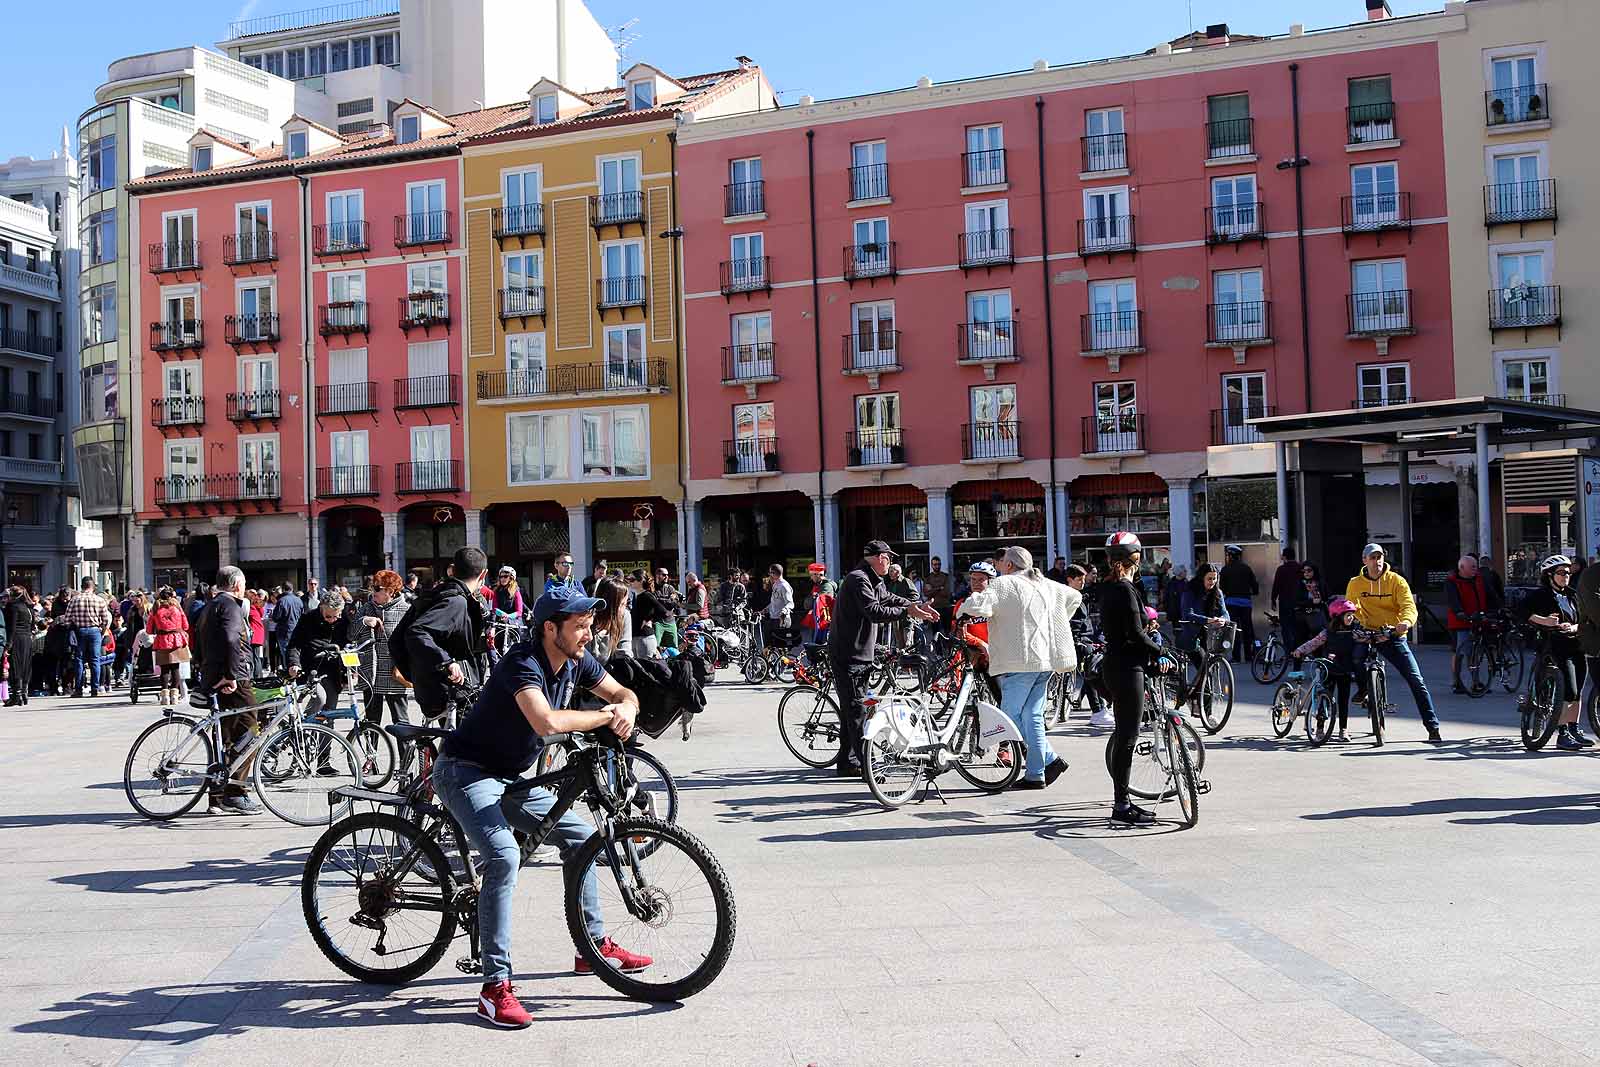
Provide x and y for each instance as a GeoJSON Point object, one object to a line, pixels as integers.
{"type": "Point", "coordinates": [897, 453]}
{"type": "Point", "coordinates": [769, 460]}
{"type": "Point", "coordinates": [1497, 110]}
{"type": "Point", "coordinates": [1535, 108]}
{"type": "Point", "coordinates": [730, 463]}
{"type": "Point", "coordinates": [871, 248]}
{"type": "Point", "coordinates": [855, 456]}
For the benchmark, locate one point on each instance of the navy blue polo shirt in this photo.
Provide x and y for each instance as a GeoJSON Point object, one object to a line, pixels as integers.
{"type": "Point", "coordinates": [495, 734]}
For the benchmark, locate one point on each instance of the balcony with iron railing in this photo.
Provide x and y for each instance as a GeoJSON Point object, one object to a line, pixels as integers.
{"type": "Point", "coordinates": [1375, 212]}
{"type": "Point", "coordinates": [176, 335]}
{"type": "Point", "coordinates": [169, 257]}
{"type": "Point", "coordinates": [180, 489]}
{"type": "Point", "coordinates": [991, 442]}
{"type": "Point", "coordinates": [347, 398]}
{"type": "Point", "coordinates": [250, 329]}
{"type": "Point", "coordinates": [985, 248]}
{"type": "Point", "coordinates": [522, 302]}
{"type": "Point", "coordinates": [1241, 323]}
{"type": "Point", "coordinates": [1236, 222]}
{"type": "Point", "coordinates": [1370, 123]}
{"type": "Point", "coordinates": [427, 476]}
{"type": "Point", "coordinates": [1230, 138]}
{"type": "Point", "coordinates": [351, 11]}
{"type": "Point", "coordinates": [423, 310]}
{"type": "Point", "coordinates": [23, 341]}
{"type": "Point", "coordinates": [1517, 104]}
{"type": "Point", "coordinates": [983, 169]}
{"type": "Point", "coordinates": [748, 275]}
{"type": "Point", "coordinates": [340, 238]}
{"type": "Point", "coordinates": [241, 249]}
{"type": "Point", "coordinates": [748, 457]}
{"type": "Point", "coordinates": [1380, 396]}
{"type": "Point", "coordinates": [1112, 331]}
{"type": "Point", "coordinates": [170, 411]}
{"type": "Point", "coordinates": [1104, 152]}
{"type": "Point", "coordinates": [1519, 202]}
{"type": "Point", "coordinates": [744, 198]}
{"type": "Point", "coordinates": [871, 259]}
{"type": "Point", "coordinates": [518, 220]}
{"type": "Point", "coordinates": [1230, 426]}
{"type": "Point", "coordinates": [1555, 400]}
{"type": "Point", "coordinates": [423, 228]}
{"type": "Point", "coordinates": [875, 448]}
{"type": "Point", "coordinates": [620, 291]}
{"type": "Point", "coordinates": [869, 181]}
{"type": "Point", "coordinates": [427, 391]}
{"type": "Point", "coordinates": [749, 364]}
{"type": "Point", "coordinates": [987, 343]}
{"type": "Point", "coordinates": [1380, 314]}
{"type": "Point", "coordinates": [28, 405]}
{"type": "Point", "coordinates": [872, 352]}
{"type": "Point", "coordinates": [342, 317]}
{"type": "Point", "coordinates": [1104, 235]}
{"type": "Point", "coordinates": [573, 379]}
{"type": "Point", "coordinates": [1113, 433]}
{"type": "Point", "coordinates": [345, 481]}
{"type": "Point", "coordinates": [1523, 307]}
{"type": "Point", "coordinates": [617, 209]}
{"type": "Point", "coordinates": [261, 406]}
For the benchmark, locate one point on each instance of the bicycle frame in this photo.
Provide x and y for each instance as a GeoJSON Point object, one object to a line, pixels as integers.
{"type": "Point", "coordinates": [288, 707]}
{"type": "Point", "coordinates": [911, 721]}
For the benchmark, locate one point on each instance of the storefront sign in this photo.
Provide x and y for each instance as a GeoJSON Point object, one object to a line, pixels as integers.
{"type": "Point", "coordinates": [1591, 507]}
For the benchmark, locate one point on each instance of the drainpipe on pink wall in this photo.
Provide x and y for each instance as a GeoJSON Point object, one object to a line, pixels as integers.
{"type": "Point", "coordinates": [308, 464]}
{"type": "Point", "coordinates": [1057, 520]}
{"type": "Point", "coordinates": [835, 566]}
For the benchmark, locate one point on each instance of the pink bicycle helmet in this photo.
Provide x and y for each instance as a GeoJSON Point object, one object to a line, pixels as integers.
{"type": "Point", "coordinates": [1149, 614]}
{"type": "Point", "coordinates": [1339, 606]}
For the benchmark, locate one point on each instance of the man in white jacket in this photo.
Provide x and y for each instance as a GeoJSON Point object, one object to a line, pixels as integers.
{"type": "Point", "coordinates": [1030, 638]}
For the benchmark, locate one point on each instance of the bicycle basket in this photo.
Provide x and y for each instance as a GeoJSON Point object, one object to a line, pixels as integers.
{"type": "Point", "coordinates": [1220, 639]}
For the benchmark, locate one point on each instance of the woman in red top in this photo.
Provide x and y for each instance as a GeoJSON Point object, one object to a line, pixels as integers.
{"type": "Point", "coordinates": [258, 631]}
{"type": "Point", "coordinates": [169, 639]}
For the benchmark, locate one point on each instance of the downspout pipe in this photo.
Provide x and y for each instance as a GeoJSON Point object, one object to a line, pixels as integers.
{"type": "Point", "coordinates": [1300, 234]}
{"type": "Point", "coordinates": [816, 343]}
{"type": "Point", "coordinates": [685, 535]}
{"type": "Point", "coordinates": [306, 374]}
{"type": "Point", "coordinates": [1058, 521]}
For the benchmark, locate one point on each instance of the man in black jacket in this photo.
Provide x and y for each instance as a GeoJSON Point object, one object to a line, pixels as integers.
{"type": "Point", "coordinates": [444, 638]}
{"type": "Point", "coordinates": [1239, 589]}
{"type": "Point", "coordinates": [861, 606]}
{"type": "Point", "coordinates": [222, 635]}
{"type": "Point", "coordinates": [317, 640]}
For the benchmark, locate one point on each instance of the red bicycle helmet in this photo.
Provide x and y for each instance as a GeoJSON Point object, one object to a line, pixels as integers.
{"type": "Point", "coordinates": [1121, 546]}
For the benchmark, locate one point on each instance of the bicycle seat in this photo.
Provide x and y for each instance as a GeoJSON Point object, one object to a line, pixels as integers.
{"type": "Point", "coordinates": [200, 701]}
{"type": "Point", "coordinates": [407, 732]}
{"type": "Point", "coordinates": [813, 649]}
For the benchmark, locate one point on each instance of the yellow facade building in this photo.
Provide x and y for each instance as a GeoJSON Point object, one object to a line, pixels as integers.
{"type": "Point", "coordinates": [575, 420]}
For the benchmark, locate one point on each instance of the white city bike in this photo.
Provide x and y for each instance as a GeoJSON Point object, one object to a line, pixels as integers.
{"type": "Point", "coordinates": [908, 742]}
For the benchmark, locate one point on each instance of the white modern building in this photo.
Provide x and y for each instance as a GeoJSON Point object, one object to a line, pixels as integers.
{"type": "Point", "coordinates": [44, 540]}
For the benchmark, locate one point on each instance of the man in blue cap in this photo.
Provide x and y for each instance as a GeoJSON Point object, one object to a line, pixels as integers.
{"type": "Point", "coordinates": [525, 700]}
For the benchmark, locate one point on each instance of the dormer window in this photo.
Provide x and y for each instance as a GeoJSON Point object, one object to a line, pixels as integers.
{"type": "Point", "coordinates": [641, 95]}
{"type": "Point", "coordinates": [544, 107]}
{"type": "Point", "coordinates": [202, 157]}
{"type": "Point", "coordinates": [410, 129]}
{"type": "Point", "coordinates": [295, 144]}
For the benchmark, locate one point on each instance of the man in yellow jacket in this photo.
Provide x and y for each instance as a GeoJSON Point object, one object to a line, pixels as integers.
{"type": "Point", "coordinates": [1383, 598]}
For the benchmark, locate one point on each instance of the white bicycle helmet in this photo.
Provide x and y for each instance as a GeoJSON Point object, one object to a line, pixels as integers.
{"type": "Point", "coordinates": [1552, 562]}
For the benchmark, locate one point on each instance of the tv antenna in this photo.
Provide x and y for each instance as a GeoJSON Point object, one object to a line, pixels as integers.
{"type": "Point", "coordinates": [622, 38]}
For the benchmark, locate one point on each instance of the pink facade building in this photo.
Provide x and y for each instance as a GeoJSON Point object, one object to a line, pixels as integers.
{"type": "Point", "coordinates": [1038, 307]}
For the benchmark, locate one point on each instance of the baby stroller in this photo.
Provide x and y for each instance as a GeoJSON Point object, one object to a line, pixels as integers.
{"type": "Point", "coordinates": [143, 673]}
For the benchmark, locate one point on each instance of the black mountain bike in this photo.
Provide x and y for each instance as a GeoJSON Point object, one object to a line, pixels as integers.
{"type": "Point", "coordinates": [383, 902]}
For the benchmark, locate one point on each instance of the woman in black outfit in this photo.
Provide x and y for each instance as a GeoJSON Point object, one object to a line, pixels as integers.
{"type": "Point", "coordinates": [19, 620]}
{"type": "Point", "coordinates": [1129, 650]}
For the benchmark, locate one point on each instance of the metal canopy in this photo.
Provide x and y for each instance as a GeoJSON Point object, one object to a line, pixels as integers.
{"type": "Point", "coordinates": [1431, 424]}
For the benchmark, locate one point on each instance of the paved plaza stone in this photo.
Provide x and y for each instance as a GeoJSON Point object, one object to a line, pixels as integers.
{"type": "Point", "coordinates": [1406, 905]}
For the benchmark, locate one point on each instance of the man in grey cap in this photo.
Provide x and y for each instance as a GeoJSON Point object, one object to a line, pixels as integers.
{"type": "Point", "coordinates": [862, 605]}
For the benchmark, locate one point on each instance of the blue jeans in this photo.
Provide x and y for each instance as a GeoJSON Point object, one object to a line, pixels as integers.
{"type": "Point", "coordinates": [90, 640]}
{"type": "Point", "coordinates": [1397, 650]}
{"type": "Point", "coordinates": [1022, 699]}
{"type": "Point", "coordinates": [477, 799]}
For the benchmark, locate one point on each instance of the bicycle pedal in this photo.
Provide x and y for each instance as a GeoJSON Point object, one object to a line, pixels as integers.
{"type": "Point", "coordinates": [468, 965]}
{"type": "Point", "coordinates": [1144, 748]}
{"type": "Point", "coordinates": [1202, 786]}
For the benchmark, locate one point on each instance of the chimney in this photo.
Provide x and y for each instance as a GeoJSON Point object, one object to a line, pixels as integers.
{"type": "Point", "coordinates": [1378, 9]}
{"type": "Point", "coordinates": [1216, 34]}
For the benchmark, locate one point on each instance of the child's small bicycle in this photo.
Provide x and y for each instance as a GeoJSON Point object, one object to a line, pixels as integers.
{"type": "Point", "coordinates": [1305, 692]}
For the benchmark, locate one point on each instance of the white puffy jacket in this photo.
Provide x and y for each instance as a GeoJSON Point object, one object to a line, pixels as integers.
{"type": "Point", "coordinates": [1030, 623]}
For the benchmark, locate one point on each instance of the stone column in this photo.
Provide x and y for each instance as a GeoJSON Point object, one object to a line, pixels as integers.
{"type": "Point", "coordinates": [225, 528]}
{"type": "Point", "coordinates": [317, 554]}
{"type": "Point", "coordinates": [580, 539]}
{"type": "Point", "coordinates": [691, 553]}
{"type": "Point", "coordinates": [1057, 524]}
{"type": "Point", "coordinates": [1180, 502]}
{"type": "Point", "coordinates": [394, 542]}
{"type": "Point", "coordinates": [139, 568]}
{"type": "Point", "coordinates": [819, 541]}
{"type": "Point", "coordinates": [941, 533]}
{"type": "Point", "coordinates": [833, 552]}
{"type": "Point", "coordinates": [474, 524]}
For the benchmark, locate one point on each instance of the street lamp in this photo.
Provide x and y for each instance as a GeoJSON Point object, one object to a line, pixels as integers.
{"type": "Point", "coordinates": [183, 539]}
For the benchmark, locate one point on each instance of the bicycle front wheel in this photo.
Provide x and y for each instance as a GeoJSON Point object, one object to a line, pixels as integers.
{"type": "Point", "coordinates": [1269, 662]}
{"type": "Point", "coordinates": [756, 668]}
{"type": "Point", "coordinates": [892, 778]}
{"type": "Point", "coordinates": [1214, 699]}
{"type": "Point", "coordinates": [1479, 664]}
{"type": "Point", "coordinates": [1147, 777]}
{"type": "Point", "coordinates": [1539, 718]}
{"type": "Point", "coordinates": [166, 770]}
{"type": "Point", "coordinates": [1319, 719]}
{"type": "Point", "coordinates": [992, 769]}
{"type": "Point", "coordinates": [670, 901]}
{"type": "Point", "coordinates": [378, 898]}
{"type": "Point", "coordinates": [1283, 704]}
{"type": "Point", "coordinates": [1184, 775]}
{"type": "Point", "coordinates": [377, 751]}
{"type": "Point", "coordinates": [808, 722]}
{"type": "Point", "coordinates": [297, 769]}
{"type": "Point", "coordinates": [1375, 702]}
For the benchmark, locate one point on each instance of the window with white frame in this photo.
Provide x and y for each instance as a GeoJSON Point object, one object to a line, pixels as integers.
{"type": "Point", "coordinates": [987, 237]}
{"type": "Point", "coordinates": [258, 386]}
{"type": "Point", "coordinates": [1515, 94]}
{"type": "Point", "coordinates": [1106, 143]}
{"type": "Point", "coordinates": [622, 273]}
{"type": "Point", "coordinates": [1371, 110]}
{"type": "Point", "coordinates": [347, 227]}
{"type": "Point", "coordinates": [259, 470]}
{"type": "Point", "coordinates": [431, 469]}
{"type": "Point", "coordinates": [754, 436]}
{"type": "Point", "coordinates": [1244, 397]}
{"type": "Point", "coordinates": [1106, 223]}
{"type": "Point", "coordinates": [613, 443]}
{"type": "Point", "coordinates": [747, 262]}
{"type": "Point", "coordinates": [180, 250]}
{"type": "Point", "coordinates": [1375, 194]}
{"type": "Point", "coordinates": [524, 288]}
{"type": "Point", "coordinates": [1523, 296]}
{"type": "Point", "coordinates": [642, 94]}
{"type": "Point", "coordinates": [185, 473]}
{"type": "Point", "coordinates": [350, 471]}
{"type": "Point", "coordinates": [1238, 312]}
{"type": "Point", "coordinates": [877, 439]}
{"type": "Point", "coordinates": [425, 292]}
{"type": "Point", "coordinates": [1382, 384]}
{"type": "Point", "coordinates": [1380, 301]}
{"type": "Point", "coordinates": [870, 252]}
{"type": "Point", "coordinates": [426, 218]}
{"type": "Point", "coordinates": [409, 130]}
{"type": "Point", "coordinates": [253, 232]}
{"type": "Point", "coordinates": [522, 207]}
{"type": "Point", "coordinates": [544, 107]}
{"type": "Point", "coordinates": [874, 340]}
{"type": "Point", "coordinates": [295, 144]}
{"type": "Point", "coordinates": [347, 381]}
{"type": "Point", "coordinates": [625, 357]}
{"type": "Point", "coordinates": [1228, 126]}
{"type": "Point", "coordinates": [986, 156]}
{"type": "Point", "coordinates": [1517, 191]}
{"type": "Point", "coordinates": [201, 157]}
{"type": "Point", "coordinates": [744, 187]}
{"type": "Point", "coordinates": [1116, 417]}
{"type": "Point", "coordinates": [258, 319]}
{"type": "Point", "coordinates": [1113, 315]}
{"type": "Point", "coordinates": [869, 170]}
{"type": "Point", "coordinates": [525, 366]}
{"type": "Point", "coordinates": [181, 393]}
{"type": "Point", "coordinates": [347, 299]}
{"type": "Point", "coordinates": [180, 314]}
{"type": "Point", "coordinates": [1528, 376]}
{"type": "Point", "coordinates": [751, 347]}
{"type": "Point", "coordinates": [538, 448]}
{"type": "Point", "coordinates": [620, 199]}
{"type": "Point", "coordinates": [993, 433]}
{"type": "Point", "coordinates": [1234, 209]}
{"type": "Point", "coordinates": [989, 332]}
{"type": "Point", "coordinates": [428, 381]}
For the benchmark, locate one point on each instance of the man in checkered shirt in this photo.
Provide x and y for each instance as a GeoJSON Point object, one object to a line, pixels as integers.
{"type": "Point", "coordinates": [89, 618]}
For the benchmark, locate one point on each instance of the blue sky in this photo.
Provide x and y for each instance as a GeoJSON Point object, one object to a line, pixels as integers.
{"type": "Point", "coordinates": [838, 48]}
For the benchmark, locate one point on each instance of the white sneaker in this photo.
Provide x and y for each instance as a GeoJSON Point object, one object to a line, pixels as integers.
{"type": "Point", "coordinates": [1103, 717]}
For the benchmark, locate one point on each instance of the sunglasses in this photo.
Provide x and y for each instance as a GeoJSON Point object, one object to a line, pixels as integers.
{"type": "Point", "coordinates": [1562, 572]}
{"type": "Point", "coordinates": [563, 563]}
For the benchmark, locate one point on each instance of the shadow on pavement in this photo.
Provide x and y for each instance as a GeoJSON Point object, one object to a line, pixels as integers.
{"type": "Point", "coordinates": [78, 818]}
{"type": "Point", "coordinates": [280, 868]}
{"type": "Point", "coordinates": [1049, 821]}
{"type": "Point", "coordinates": [189, 1013]}
{"type": "Point", "coordinates": [1570, 809]}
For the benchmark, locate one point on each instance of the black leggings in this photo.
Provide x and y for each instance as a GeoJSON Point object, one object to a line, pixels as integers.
{"type": "Point", "coordinates": [1126, 685]}
{"type": "Point", "coordinates": [1572, 672]}
{"type": "Point", "coordinates": [169, 676]}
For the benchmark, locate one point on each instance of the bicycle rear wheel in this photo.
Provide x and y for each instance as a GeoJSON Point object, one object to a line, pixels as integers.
{"type": "Point", "coordinates": [364, 884]}
{"type": "Point", "coordinates": [377, 751]}
{"type": "Point", "coordinates": [1269, 662]}
{"type": "Point", "coordinates": [992, 769]}
{"type": "Point", "coordinates": [1478, 666]}
{"type": "Point", "coordinates": [1539, 718]}
{"type": "Point", "coordinates": [1147, 778]}
{"type": "Point", "coordinates": [1283, 713]}
{"type": "Point", "coordinates": [1185, 777]}
{"type": "Point", "coordinates": [808, 722]}
{"type": "Point", "coordinates": [657, 796]}
{"type": "Point", "coordinates": [1214, 699]}
{"type": "Point", "coordinates": [298, 767]}
{"type": "Point", "coordinates": [166, 770]}
{"type": "Point", "coordinates": [672, 903]}
{"type": "Point", "coordinates": [756, 668]}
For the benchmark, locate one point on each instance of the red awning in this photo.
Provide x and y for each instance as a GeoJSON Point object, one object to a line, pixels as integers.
{"type": "Point", "coordinates": [1004, 488]}
{"type": "Point", "coordinates": [882, 495]}
{"type": "Point", "coordinates": [1117, 484]}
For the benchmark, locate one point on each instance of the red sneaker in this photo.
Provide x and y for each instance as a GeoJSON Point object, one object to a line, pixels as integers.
{"type": "Point", "coordinates": [619, 957]}
{"type": "Point", "coordinates": [498, 1004]}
